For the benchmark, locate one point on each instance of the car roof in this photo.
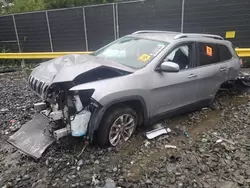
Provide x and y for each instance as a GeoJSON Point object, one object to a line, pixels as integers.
{"type": "Point", "coordinates": [169, 36]}
{"type": "Point", "coordinates": [156, 36]}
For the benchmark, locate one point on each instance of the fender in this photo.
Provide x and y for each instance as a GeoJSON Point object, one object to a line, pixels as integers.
{"type": "Point", "coordinates": [114, 88]}
{"type": "Point", "coordinates": [99, 113]}
{"type": "Point", "coordinates": [113, 91]}
{"type": "Point", "coordinates": [232, 74]}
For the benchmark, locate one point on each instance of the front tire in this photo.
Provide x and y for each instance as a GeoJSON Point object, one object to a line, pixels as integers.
{"type": "Point", "coordinates": [117, 126]}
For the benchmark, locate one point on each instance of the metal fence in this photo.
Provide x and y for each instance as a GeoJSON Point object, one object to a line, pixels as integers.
{"type": "Point", "coordinates": [90, 27]}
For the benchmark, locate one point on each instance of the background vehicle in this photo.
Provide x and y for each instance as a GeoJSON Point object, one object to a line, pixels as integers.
{"type": "Point", "coordinates": [137, 80]}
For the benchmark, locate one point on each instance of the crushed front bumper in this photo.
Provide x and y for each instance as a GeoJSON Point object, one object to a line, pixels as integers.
{"type": "Point", "coordinates": [31, 137]}
{"type": "Point", "coordinates": [39, 133]}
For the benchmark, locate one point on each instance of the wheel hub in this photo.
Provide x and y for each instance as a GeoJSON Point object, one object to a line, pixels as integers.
{"type": "Point", "coordinates": [121, 129]}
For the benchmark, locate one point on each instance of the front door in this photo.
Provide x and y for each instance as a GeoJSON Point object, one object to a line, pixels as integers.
{"type": "Point", "coordinates": [171, 91]}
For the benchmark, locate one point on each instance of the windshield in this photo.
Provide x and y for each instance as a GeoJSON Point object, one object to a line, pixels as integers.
{"type": "Point", "coordinates": [132, 52]}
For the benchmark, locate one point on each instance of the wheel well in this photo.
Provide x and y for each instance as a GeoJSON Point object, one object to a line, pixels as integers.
{"type": "Point", "coordinates": [138, 108]}
{"type": "Point", "coordinates": [136, 105]}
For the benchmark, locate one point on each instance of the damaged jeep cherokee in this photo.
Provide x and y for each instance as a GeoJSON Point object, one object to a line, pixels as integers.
{"type": "Point", "coordinates": [136, 80]}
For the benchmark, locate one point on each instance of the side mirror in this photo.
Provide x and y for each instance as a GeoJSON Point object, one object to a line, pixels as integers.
{"type": "Point", "coordinates": [168, 66]}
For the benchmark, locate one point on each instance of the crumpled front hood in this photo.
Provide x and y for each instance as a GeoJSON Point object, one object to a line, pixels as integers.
{"type": "Point", "coordinates": [66, 68]}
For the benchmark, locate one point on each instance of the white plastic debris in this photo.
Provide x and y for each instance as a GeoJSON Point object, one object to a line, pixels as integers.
{"type": "Point", "coordinates": [155, 133]}
{"type": "Point", "coordinates": [147, 143]}
{"type": "Point", "coordinates": [4, 110]}
{"type": "Point", "coordinates": [79, 122]}
{"type": "Point", "coordinates": [108, 184]}
{"type": "Point", "coordinates": [169, 130]}
{"type": "Point", "coordinates": [225, 140]}
{"type": "Point", "coordinates": [219, 141]}
{"type": "Point", "coordinates": [94, 180]}
{"type": "Point", "coordinates": [157, 130]}
{"type": "Point", "coordinates": [170, 146]}
{"type": "Point", "coordinates": [80, 162]}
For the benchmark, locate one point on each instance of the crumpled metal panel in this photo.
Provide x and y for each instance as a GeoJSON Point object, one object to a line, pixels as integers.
{"type": "Point", "coordinates": [30, 138]}
{"type": "Point", "coordinates": [67, 68]}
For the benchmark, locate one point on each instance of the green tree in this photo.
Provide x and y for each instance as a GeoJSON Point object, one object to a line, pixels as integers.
{"type": "Point", "coordinates": [5, 6]}
{"type": "Point", "coordinates": [52, 4]}
{"type": "Point", "coordinates": [17, 6]}
{"type": "Point", "coordinates": [27, 5]}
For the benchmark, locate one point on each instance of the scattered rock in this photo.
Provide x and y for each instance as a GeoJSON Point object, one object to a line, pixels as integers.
{"type": "Point", "coordinates": [26, 177]}
{"type": "Point", "coordinates": [204, 140]}
{"type": "Point", "coordinates": [147, 143]}
{"type": "Point", "coordinates": [172, 180]}
{"type": "Point", "coordinates": [148, 181]}
{"type": "Point", "coordinates": [80, 162]}
{"type": "Point", "coordinates": [109, 183]}
{"type": "Point", "coordinates": [240, 180]}
{"type": "Point", "coordinates": [4, 110]}
{"type": "Point", "coordinates": [228, 185]}
{"type": "Point", "coordinates": [248, 172]}
{"type": "Point", "coordinates": [18, 179]}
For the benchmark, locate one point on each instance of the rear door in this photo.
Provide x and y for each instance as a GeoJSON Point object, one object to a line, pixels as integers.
{"type": "Point", "coordinates": [212, 68]}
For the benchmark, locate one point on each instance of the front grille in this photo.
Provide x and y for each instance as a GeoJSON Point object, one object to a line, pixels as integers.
{"type": "Point", "coordinates": [38, 86]}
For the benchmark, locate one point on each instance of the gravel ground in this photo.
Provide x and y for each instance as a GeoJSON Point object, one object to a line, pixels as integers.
{"type": "Point", "coordinates": [216, 154]}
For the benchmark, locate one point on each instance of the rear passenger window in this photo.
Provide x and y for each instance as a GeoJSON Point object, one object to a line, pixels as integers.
{"type": "Point", "coordinates": [225, 54]}
{"type": "Point", "coordinates": [208, 53]}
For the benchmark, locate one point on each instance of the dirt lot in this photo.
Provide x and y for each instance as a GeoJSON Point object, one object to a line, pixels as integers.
{"type": "Point", "coordinates": [198, 161]}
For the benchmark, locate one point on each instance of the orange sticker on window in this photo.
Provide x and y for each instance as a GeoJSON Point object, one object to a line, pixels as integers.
{"type": "Point", "coordinates": [144, 57]}
{"type": "Point", "coordinates": [209, 51]}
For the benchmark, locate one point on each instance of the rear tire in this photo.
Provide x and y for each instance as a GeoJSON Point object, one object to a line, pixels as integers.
{"type": "Point", "coordinates": [118, 125]}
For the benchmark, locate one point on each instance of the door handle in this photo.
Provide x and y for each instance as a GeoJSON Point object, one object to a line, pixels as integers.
{"type": "Point", "coordinates": [192, 76]}
{"type": "Point", "coordinates": [222, 69]}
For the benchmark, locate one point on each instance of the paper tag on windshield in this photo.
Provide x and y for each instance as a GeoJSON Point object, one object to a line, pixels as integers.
{"type": "Point", "coordinates": [144, 57]}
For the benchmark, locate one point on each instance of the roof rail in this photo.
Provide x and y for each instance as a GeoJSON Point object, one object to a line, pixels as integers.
{"type": "Point", "coordinates": [152, 31]}
{"type": "Point", "coordinates": [185, 35]}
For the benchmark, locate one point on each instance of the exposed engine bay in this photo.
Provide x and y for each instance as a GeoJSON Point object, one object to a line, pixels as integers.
{"type": "Point", "coordinates": [71, 109]}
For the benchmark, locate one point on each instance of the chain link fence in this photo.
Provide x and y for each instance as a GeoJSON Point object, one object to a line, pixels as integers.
{"type": "Point", "coordinates": [91, 27]}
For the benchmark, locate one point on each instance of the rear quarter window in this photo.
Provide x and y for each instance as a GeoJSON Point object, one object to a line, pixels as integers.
{"type": "Point", "coordinates": [210, 53]}
{"type": "Point", "coordinates": [225, 53]}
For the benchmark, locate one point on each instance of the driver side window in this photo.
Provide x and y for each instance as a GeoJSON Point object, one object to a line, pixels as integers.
{"type": "Point", "coordinates": [182, 55]}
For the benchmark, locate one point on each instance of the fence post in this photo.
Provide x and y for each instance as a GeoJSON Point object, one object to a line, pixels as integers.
{"type": "Point", "coordinates": [117, 22]}
{"type": "Point", "coordinates": [114, 20]}
{"type": "Point", "coordinates": [182, 15]}
{"type": "Point", "coordinates": [85, 28]}
{"type": "Point", "coordinates": [19, 47]}
{"type": "Point", "coordinates": [48, 25]}
{"type": "Point", "coordinates": [17, 38]}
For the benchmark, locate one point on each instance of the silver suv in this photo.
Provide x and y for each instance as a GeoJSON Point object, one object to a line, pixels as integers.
{"type": "Point", "coordinates": [134, 81]}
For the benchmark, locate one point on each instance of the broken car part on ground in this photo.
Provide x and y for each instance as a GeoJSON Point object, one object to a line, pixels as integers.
{"type": "Point", "coordinates": [137, 80]}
